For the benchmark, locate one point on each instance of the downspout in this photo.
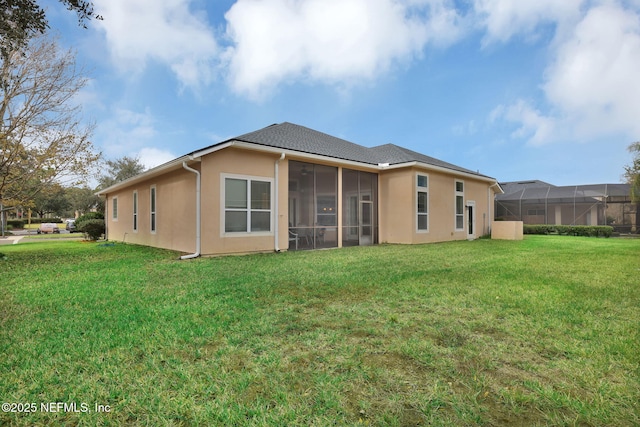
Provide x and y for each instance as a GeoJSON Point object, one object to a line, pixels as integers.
{"type": "Point", "coordinates": [490, 205]}
{"type": "Point", "coordinates": [277, 202]}
{"type": "Point", "coordinates": [197, 252]}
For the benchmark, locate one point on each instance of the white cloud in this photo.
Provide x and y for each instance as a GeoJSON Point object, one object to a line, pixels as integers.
{"type": "Point", "coordinates": [151, 157]}
{"type": "Point", "coordinates": [590, 87]}
{"type": "Point", "coordinates": [133, 134]}
{"type": "Point", "coordinates": [504, 19]}
{"type": "Point", "coordinates": [594, 78]}
{"type": "Point", "coordinates": [125, 132]}
{"type": "Point", "coordinates": [166, 31]}
{"type": "Point", "coordinates": [533, 125]}
{"type": "Point", "coordinates": [467, 129]}
{"type": "Point", "coordinates": [330, 41]}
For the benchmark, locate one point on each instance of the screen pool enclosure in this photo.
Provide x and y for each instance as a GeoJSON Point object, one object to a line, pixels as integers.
{"type": "Point", "coordinates": [538, 202]}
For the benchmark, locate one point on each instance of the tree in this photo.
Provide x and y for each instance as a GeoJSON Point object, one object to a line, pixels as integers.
{"type": "Point", "coordinates": [632, 175]}
{"type": "Point", "coordinates": [42, 138]}
{"type": "Point", "coordinates": [81, 199]}
{"type": "Point", "coordinates": [51, 199]}
{"type": "Point", "coordinates": [632, 172]}
{"type": "Point", "coordinates": [20, 20]}
{"type": "Point", "coordinates": [119, 170]}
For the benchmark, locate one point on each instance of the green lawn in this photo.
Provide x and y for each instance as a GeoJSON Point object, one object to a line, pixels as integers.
{"type": "Point", "coordinates": [544, 331]}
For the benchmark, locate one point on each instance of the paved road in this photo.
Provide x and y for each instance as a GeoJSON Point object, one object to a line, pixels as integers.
{"type": "Point", "coordinates": [32, 232]}
{"type": "Point", "coordinates": [18, 235]}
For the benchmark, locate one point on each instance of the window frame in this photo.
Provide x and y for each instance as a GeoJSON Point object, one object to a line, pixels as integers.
{"type": "Point", "coordinates": [249, 179]}
{"type": "Point", "coordinates": [457, 214]}
{"type": "Point", "coordinates": [418, 190]}
{"type": "Point", "coordinates": [135, 215]}
{"type": "Point", "coordinates": [153, 209]}
{"type": "Point", "coordinates": [114, 208]}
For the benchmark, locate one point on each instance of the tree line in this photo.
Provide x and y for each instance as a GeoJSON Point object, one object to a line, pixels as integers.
{"type": "Point", "coordinates": [46, 150]}
{"type": "Point", "coordinates": [55, 199]}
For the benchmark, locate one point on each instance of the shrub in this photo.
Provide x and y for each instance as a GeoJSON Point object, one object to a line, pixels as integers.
{"type": "Point", "coordinates": [88, 216]}
{"type": "Point", "coordinates": [569, 230]}
{"type": "Point", "coordinates": [537, 229]}
{"type": "Point", "coordinates": [16, 223]}
{"type": "Point", "coordinates": [92, 228]}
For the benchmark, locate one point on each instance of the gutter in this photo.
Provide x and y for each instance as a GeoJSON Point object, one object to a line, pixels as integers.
{"type": "Point", "coordinates": [276, 210]}
{"type": "Point", "coordinates": [198, 205]}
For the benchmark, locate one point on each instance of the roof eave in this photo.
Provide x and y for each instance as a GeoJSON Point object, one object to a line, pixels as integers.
{"type": "Point", "coordinates": [158, 170]}
{"type": "Point", "coordinates": [301, 154]}
{"type": "Point", "coordinates": [445, 170]}
{"type": "Point", "coordinates": [177, 163]}
{"type": "Point", "coordinates": [166, 167]}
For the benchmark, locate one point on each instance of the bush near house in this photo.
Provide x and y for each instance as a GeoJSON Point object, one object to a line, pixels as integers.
{"type": "Point", "coordinates": [88, 216]}
{"type": "Point", "coordinates": [92, 228]}
{"type": "Point", "coordinates": [91, 224]}
{"type": "Point", "coordinates": [569, 230]}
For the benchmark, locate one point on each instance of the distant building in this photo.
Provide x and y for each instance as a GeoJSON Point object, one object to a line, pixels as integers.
{"type": "Point", "coordinates": [538, 202]}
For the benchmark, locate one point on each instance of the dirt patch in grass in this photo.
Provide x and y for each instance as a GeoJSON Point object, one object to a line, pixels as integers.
{"type": "Point", "coordinates": [392, 389]}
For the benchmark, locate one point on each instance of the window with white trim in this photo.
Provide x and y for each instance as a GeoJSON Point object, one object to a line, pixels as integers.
{"type": "Point", "coordinates": [422, 208]}
{"type": "Point", "coordinates": [459, 205]}
{"type": "Point", "coordinates": [114, 208]}
{"type": "Point", "coordinates": [135, 210]}
{"type": "Point", "coordinates": [247, 204]}
{"type": "Point", "coordinates": [152, 208]}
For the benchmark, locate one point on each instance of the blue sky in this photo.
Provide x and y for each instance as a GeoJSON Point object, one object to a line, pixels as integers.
{"type": "Point", "coordinates": [527, 89]}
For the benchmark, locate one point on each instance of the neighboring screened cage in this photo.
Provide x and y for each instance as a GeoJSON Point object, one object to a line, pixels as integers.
{"type": "Point", "coordinates": [538, 202]}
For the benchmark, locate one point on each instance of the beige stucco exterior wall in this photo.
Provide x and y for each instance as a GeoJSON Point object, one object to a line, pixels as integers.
{"type": "Point", "coordinates": [176, 204]}
{"type": "Point", "coordinates": [507, 230]}
{"type": "Point", "coordinates": [398, 205]}
{"type": "Point", "coordinates": [483, 196]}
{"type": "Point", "coordinates": [241, 163]}
{"type": "Point", "coordinates": [175, 212]}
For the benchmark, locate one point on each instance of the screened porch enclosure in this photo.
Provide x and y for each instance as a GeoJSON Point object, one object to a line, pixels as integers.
{"type": "Point", "coordinates": [313, 207]}
{"type": "Point", "coordinates": [360, 208]}
{"type": "Point", "coordinates": [540, 203]}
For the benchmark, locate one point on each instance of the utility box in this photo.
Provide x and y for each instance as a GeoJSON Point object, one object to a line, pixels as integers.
{"type": "Point", "coordinates": [507, 230]}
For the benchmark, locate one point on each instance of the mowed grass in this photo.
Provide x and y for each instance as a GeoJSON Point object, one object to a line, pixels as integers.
{"type": "Point", "coordinates": [543, 331]}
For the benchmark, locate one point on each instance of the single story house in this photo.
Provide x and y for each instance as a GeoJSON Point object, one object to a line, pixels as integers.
{"type": "Point", "coordinates": [288, 187]}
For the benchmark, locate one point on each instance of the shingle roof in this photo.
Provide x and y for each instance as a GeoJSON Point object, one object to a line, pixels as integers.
{"type": "Point", "coordinates": [289, 136]}
{"type": "Point", "coordinates": [394, 154]}
{"type": "Point", "coordinates": [299, 138]}
{"type": "Point", "coordinates": [302, 139]}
